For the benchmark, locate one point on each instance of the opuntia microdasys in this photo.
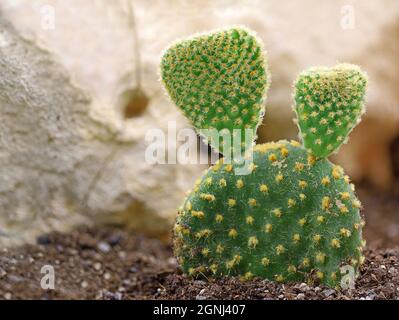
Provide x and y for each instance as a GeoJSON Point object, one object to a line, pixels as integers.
{"type": "Point", "coordinates": [294, 215]}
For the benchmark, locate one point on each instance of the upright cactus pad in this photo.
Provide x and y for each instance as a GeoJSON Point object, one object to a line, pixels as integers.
{"type": "Point", "coordinates": [329, 103]}
{"type": "Point", "coordinates": [291, 218]}
{"type": "Point", "coordinates": [219, 80]}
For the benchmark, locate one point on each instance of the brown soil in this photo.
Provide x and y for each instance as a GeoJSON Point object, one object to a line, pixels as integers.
{"type": "Point", "coordinates": [110, 263]}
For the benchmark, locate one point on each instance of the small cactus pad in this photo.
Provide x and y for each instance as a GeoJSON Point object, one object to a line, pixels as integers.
{"type": "Point", "coordinates": [291, 219]}
{"type": "Point", "coordinates": [219, 80]}
{"type": "Point", "coordinates": [328, 104]}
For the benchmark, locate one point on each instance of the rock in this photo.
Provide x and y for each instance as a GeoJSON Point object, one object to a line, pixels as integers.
{"type": "Point", "coordinates": [15, 278]}
{"type": "Point", "coordinates": [43, 240]}
{"type": "Point", "coordinates": [114, 239]}
{"type": "Point", "coordinates": [201, 295]}
{"type": "Point", "coordinates": [300, 296]}
{"type": "Point", "coordinates": [3, 273]}
{"type": "Point", "coordinates": [104, 247]}
{"type": "Point", "coordinates": [68, 155]}
{"type": "Point", "coordinates": [303, 287]}
{"type": "Point", "coordinates": [97, 266]}
{"type": "Point", "coordinates": [111, 295]}
{"type": "Point", "coordinates": [134, 269]}
{"type": "Point", "coordinates": [328, 292]}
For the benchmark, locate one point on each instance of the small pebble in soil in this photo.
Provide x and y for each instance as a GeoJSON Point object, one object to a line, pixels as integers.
{"type": "Point", "coordinates": [300, 296]}
{"type": "Point", "coordinates": [104, 247]}
{"type": "Point", "coordinates": [111, 295]}
{"type": "Point", "coordinates": [97, 266]}
{"type": "Point", "coordinates": [201, 295]}
{"type": "Point", "coordinates": [3, 273]}
{"type": "Point", "coordinates": [303, 287]}
{"type": "Point", "coordinates": [328, 292]}
{"type": "Point", "coordinates": [134, 269]}
{"type": "Point", "coordinates": [114, 239]}
{"type": "Point", "coordinates": [43, 240]}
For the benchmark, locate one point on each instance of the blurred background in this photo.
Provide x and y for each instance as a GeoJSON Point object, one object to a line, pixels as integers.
{"type": "Point", "coordinates": [77, 155]}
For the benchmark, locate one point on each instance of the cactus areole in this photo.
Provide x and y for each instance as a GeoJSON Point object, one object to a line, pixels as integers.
{"type": "Point", "coordinates": [294, 215]}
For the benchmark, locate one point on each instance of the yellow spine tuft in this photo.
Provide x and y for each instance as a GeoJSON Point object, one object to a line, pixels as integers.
{"type": "Point", "coordinates": [233, 233]}
{"type": "Point", "coordinates": [299, 166]}
{"type": "Point", "coordinates": [291, 268]}
{"type": "Point", "coordinates": [222, 183]}
{"type": "Point", "coordinates": [345, 195]}
{"type": "Point", "coordinates": [249, 220]}
{"type": "Point", "coordinates": [272, 157]}
{"type": "Point", "coordinates": [306, 262]}
{"type": "Point", "coordinates": [231, 202]}
{"type": "Point", "coordinates": [325, 181]}
{"type": "Point", "coordinates": [253, 242]}
{"type": "Point", "coordinates": [325, 203]}
{"type": "Point", "coordinates": [335, 243]}
{"type": "Point", "coordinates": [336, 172]}
{"type": "Point", "coordinates": [302, 222]}
{"type": "Point", "coordinates": [197, 214]}
{"type": "Point", "coordinates": [252, 202]}
{"type": "Point", "coordinates": [345, 232]}
{"type": "Point", "coordinates": [320, 257]}
{"type": "Point", "coordinates": [284, 152]}
{"type": "Point", "coordinates": [302, 184]}
{"type": "Point", "coordinates": [207, 197]}
{"type": "Point", "coordinates": [280, 249]}
{"type": "Point", "coordinates": [239, 183]}
{"type": "Point", "coordinates": [219, 249]}
{"type": "Point", "coordinates": [277, 213]}
{"type": "Point", "coordinates": [268, 228]}
{"type": "Point", "coordinates": [316, 238]}
{"type": "Point", "coordinates": [291, 203]}
{"type": "Point", "coordinates": [265, 261]}
{"type": "Point", "coordinates": [279, 177]}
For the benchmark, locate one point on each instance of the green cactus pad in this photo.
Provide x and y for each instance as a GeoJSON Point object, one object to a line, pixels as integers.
{"type": "Point", "coordinates": [291, 219]}
{"type": "Point", "coordinates": [329, 103]}
{"type": "Point", "coordinates": [219, 80]}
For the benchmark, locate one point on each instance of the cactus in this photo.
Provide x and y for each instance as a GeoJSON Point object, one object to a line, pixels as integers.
{"type": "Point", "coordinates": [219, 80]}
{"type": "Point", "coordinates": [294, 216]}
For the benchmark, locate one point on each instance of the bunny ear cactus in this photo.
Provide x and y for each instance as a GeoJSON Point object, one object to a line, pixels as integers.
{"type": "Point", "coordinates": [219, 80]}
{"type": "Point", "coordinates": [294, 216]}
